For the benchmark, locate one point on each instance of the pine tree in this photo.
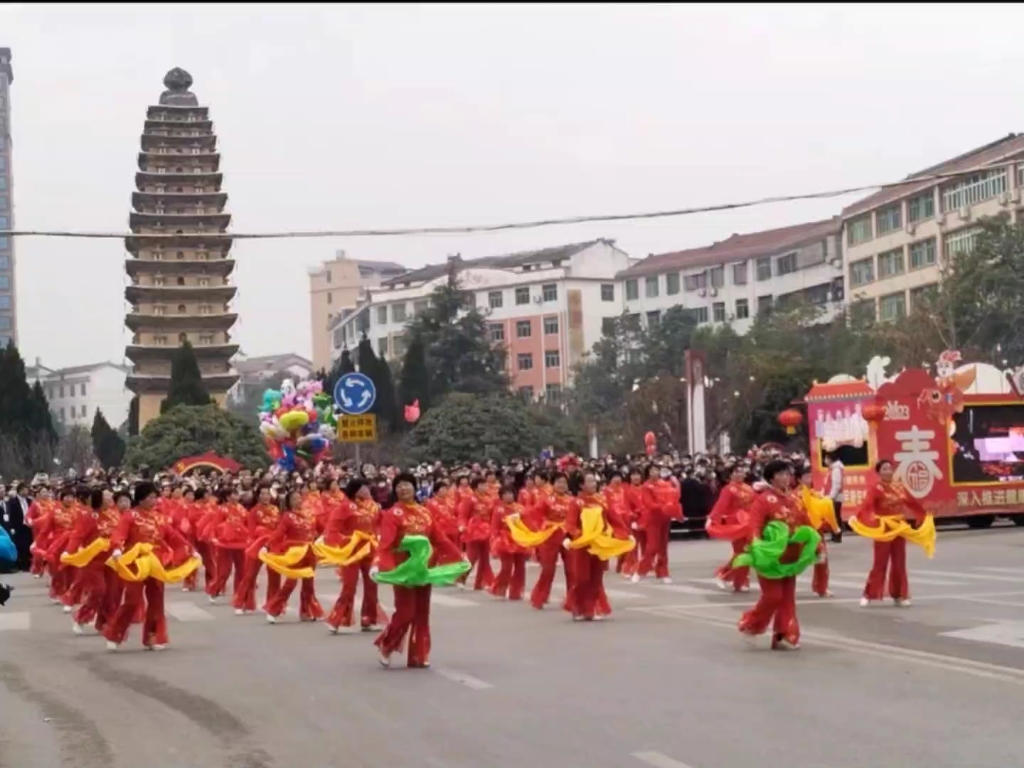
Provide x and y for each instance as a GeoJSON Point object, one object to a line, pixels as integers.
{"type": "Point", "coordinates": [19, 416]}
{"type": "Point", "coordinates": [187, 386]}
{"type": "Point", "coordinates": [414, 382]}
{"type": "Point", "coordinates": [42, 419]}
{"type": "Point", "coordinates": [341, 366]}
{"type": "Point", "coordinates": [133, 417]}
{"type": "Point", "coordinates": [379, 373]}
{"type": "Point", "coordinates": [107, 445]}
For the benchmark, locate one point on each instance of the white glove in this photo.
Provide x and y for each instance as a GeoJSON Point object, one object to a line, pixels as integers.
{"type": "Point", "coordinates": [566, 542]}
{"type": "Point", "coordinates": [374, 570]}
{"type": "Point", "coordinates": [263, 550]}
{"type": "Point", "coordinates": [634, 526]}
{"type": "Point", "coordinates": [513, 517]}
{"type": "Point", "coordinates": [116, 554]}
{"type": "Point", "coordinates": [633, 539]}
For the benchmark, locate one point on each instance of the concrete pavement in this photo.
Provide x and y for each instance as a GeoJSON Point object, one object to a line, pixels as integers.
{"type": "Point", "coordinates": [666, 682]}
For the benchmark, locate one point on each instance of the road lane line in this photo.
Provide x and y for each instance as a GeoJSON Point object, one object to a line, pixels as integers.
{"type": "Point", "coordinates": [17, 620]}
{"type": "Point", "coordinates": [1012, 571]}
{"type": "Point", "coordinates": [684, 589]}
{"type": "Point", "coordinates": [473, 683]}
{"type": "Point", "coordinates": [989, 601]}
{"type": "Point", "coordinates": [452, 602]}
{"type": "Point", "coordinates": [658, 760]}
{"type": "Point", "coordinates": [188, 612]}
{"type": "Point", "coordinates": [971, 576]}
{"type": "Point", "coordinates": [754, 586]}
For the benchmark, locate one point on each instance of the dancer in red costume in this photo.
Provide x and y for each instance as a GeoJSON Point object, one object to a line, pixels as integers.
{"type": "Point", "coordinates": [660, 507]}
{"type": "Point", "coordinates": [361, 515]}
{"type": "Point", "coordinates": [296, 528]}
{"type": "Point", "coordinates": [632, 513]}
{"type": "Point", "coordinates": [38, 509]}
{"type": "Point", "coordinates": [553, 509]}
{"type": "Point", "coordinates": [100, 586]}
{"type": "Point", "coordinates": [588, 600]}
{"type": "Point", "coordinates": [196, 511]}
{"type": "Point", "coordinates": [225, 527]}
{"type": "Point", "coordinates": [144, 525]}
{"type": "Point", "coordinates": [510, 583]}
{"type": "Point", "coordinates": [52, 533]}
{"type": "Point", "coordinates": [778, 596]}
{"type": "Point", "coordinates": [475, 527]}
{"type": "Point", "coordinates": [728, 520]}
{"type": "Point", "coordinates": [822, 516]}
{"type": "Point", "coordinates": [412, 604]}
{"type": "Point", "coordinates": [261, 525]}
{"type": "Point", "coordinates": [443, 508]}
{"type": "Point", "coordinates": [889, 498]}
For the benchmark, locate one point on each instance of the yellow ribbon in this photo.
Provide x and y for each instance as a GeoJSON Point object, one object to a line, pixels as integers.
{"type": "Point", "coordinates": [147, 565]}
{"type": "Point", "coordinates": [527, 538]}
{"type": "Point", "coordinates": [892, 527]}
{"type": "Point", "coordinates": [360, 545]}
{"type": "Point", "coordinates": [597, 537]}
{"type": "Point", "coordinates": [85, 555]}
{"type": "Point", "coordinates": [820, 510]}
{"type": "Point", "coordinates": [282, 564]}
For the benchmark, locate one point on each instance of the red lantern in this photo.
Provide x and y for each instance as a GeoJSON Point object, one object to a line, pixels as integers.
{"type": "Point", "coordinates": [412, 412]}
{"type": "Point", "coordinates": [650, 443]}
{"type": "Point", "coordinates": [791, 419]}
{"type": "Point", "coordinates": [873, 413]}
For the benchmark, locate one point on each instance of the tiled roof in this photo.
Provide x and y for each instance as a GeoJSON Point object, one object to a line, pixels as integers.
{"type": "Point", "coordinates": [735, 248]}
{"type": "Point", "coordinates": [270, 363]}
{"type": "Point", "coordinates": [73, 370]}
{"type": "Point", "coordinates": [977, 158]}
{"type": "Point", "coordinates": [506, 261]}
{"type": "Point", "coordinates": [844, 390]}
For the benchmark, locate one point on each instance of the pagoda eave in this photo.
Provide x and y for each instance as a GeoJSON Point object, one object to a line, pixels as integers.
{"type": "Point", "coordinates": [218, 221]}
{"type": "Point", "coordinates": [136, 322]}
{"type": "Point", "coordinates": [156, 139]}
{"type": "Point", "coordinates": [218, 241]}
{"type": "Point", "coordinates": [144, 384]}
{"type": "Point", "coordinates": [139, 353]}
{"type": "Point", "coordinates": [214, 267]}
{"type": "Point", "coordinates": [218, 199]}
{"type": "Point", "coordinates": [174, 293]}
{"type": "Point", "coordinates": [156, 109]}
{"type": "Point", "coordinates": [151, 177]}
{"type": "Point", "coordinates": [211, 159]}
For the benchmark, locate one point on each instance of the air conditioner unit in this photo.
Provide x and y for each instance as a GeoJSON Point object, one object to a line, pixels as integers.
{"type": "Point", "coordinates": [539, 300]}
{"type": "Point", "coordinates": [965, 213]}
{"type": "Point", "coordinates": [702, 292]}
{"type": "Point", "coordinates": [911, 229]}
{"type": "Point", "coordinates": [837, 263]}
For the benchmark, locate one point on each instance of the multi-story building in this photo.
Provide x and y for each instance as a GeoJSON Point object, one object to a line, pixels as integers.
{"type": "Point", "coordinates": [534, 302]}
{"type": "Point", "coordinates": [75, 394]}
{"type": "Point", "coordinates": [8, 294]}
{"type": "Point", "coordinates": [897, 238]}
{"type": "Point", "coordinates": [180, 286]}
{"type": "Point", "coordinates": [335, 288]}
{"type": "Point", "coordinates": [254, 372]}
{"type": "Point", "coordinates": [732, 280]}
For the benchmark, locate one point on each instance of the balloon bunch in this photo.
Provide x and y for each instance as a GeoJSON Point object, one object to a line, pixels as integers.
{"type": "Point", "coordinates": [297, 423]}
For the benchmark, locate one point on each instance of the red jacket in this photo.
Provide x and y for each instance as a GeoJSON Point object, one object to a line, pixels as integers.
{"type": "Point", "coordinates": [411, 519]}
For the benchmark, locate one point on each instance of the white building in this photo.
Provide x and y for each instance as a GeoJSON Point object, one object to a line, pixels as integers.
{"type": "Point", "coordinates": [547, 307]}
{"type": "Point", "coordinates": [75, 394]}
{"type": "Point", "coordinates": [254, 371]}
{"type": "Point", "coordinates": [732, 280]}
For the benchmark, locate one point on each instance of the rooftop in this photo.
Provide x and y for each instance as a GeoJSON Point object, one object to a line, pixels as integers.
{"type": "Point", "coordinates": [41, 371]}
{"type": "Point", "coordinates": [506, 261]}
{"type": "Point", "coordinates": [270, 363]}
{"type": "Point", "coordinates": [735, 248]}
{"type": "Point", "coordinates": [977, 158]}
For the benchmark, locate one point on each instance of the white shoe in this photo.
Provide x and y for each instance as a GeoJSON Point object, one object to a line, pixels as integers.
{"type": "Point", "coordinates": [385, 661]}
{"type": "Point", "coordinates": [159, 647]}
{"type": "Point", "coordinates": [77, 629]}
{"type": "Point", "coordinates": [186, 589]}
{"type": "Point", "coordinates": [600, 618]}
{"type": "Point", "coordinates": [903, 603]}
{"type": "Point", "coordinates": [666, 580]}
{"type": "Point", "coordinates": [785, 645]}
{"type": "Point", "coordinates": [212, 599]}
{"type": "Point", "coordinates": [826, 593]}
{"type": "Point", "coordinates": [373, 628]}
{"type": "Point", "coordinates": [271, 619]}
{"type": "Point", "coordinates": [744, 588]}
{"type": "Point", "coordinates": [721, 584]}
{"type": "Point", "coordinates": [749, 640]}
{"type": "Point", "coordinates": [461, 585]}
{"type": "Point", "coordinates": [635, 578]}
{"type": "Point", "coordinates": [112, 646]}
{"type": "Point", "coordinates": [68, 609]}
{"type": "Point", "coordinates": [239, 612]}
{"type": "Point", "coordinates": [864, 602]}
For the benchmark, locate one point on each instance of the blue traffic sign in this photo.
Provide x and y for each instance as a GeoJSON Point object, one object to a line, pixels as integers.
{"type": "Point", "coordinates": [354, 394]}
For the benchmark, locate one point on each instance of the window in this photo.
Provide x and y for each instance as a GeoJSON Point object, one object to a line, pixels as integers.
{"type": "Point", "coordinates": [4, 242]}
{"type": "Point", "coordinates": [330, 297]}
{"type": "Point", "coordinates": [524, 329]}
{"type": "Point", "coordinates": [764, 269]}
{"type": "Point", "coordinates": [3, 163]}
{"type": "Point", "coordinates": [526, 393]}
{"type": "Point", "coordinates": [921, 207]}
{"type": "Point", "coordinates": [922, 296]}
{"type": "Point", "coordinates": [398, 313]}
{"type": "Point", "coordinates": [960, 242]}
{"type": "Point", "coordinates": [973, 189]}
{"type": "Point", "coordinates": [399, 344]}
{"type": "Point", "coordinates": [160, 341]}
{"type": "Point", "coordinates": [672, 283]}
{"type": "Point", "coordinates": [5, 262]}
{"type": "Point", "coordinates": [742, 309]}
{"type": "Point", "coordinates": [382, 346]}
{"type": "Point", "coordinates": [695, 282]}
{"type": "Point", "coordinates": [182, 309]}
{"type": "Point", "coordinates": [653, 319]}
{"type": "Point", "coordinates": [608, 292]}
{"type": "Point", "coordinates": [859, 230]}
{"type": "Point", "coordinates": [552, 359]}
{"type": "Point", "coordinates": [718, 311]}
{"type": "Point", "coordinates": [701, 313]}
{"type": "Point", "coordinates": [3, 202]}
{"type": "Point", "coordinates": [651, 287]}
{"type": "Point", "coordinates": [607, 326]}
{"type": "Point", "coordinates": [420, 307]}
{"type": "Point", "coordinates": [495, 299]}
{"type": "Point", "coordinates": [922, 254]}
{"type": "Point", "coordinates": [3, 222]}
{"type": "Point", "coordinates": [60, 392]}
{"type": "Point", "coordinates": [893, 306]}
{"type": "Point", "coordinates": [524, 361]}
{"type": "Point", "coordinates": [862, 272]}
{"type": "Point", "coordinates": [5, 282]}
{"type": "Point", "coordinates": [522, 296]}
{"type": "Point", "coordinates": [3, 182]}
{"type": "Point", "coordinates": [888, 219]}
{"type": "Point", "coordinates": [553, 393]}
{"type": "Point", "coordinates": [205, 309]}
{"type": "Point", "coordinates": [382, 315]}
{"type": "Point", "coordinates": [890, 263]}
{"type": "Point", "coordinates": [62, 414]}
{"type": "Point", "coordinates": [497, 332]}
{"type": "Point", "coordinates": [717, 277]}
{"type": "Point", "coordinates": [549, 292]}
{"type": "Point", "coordinates": [764, 304]}
{"type": "Point", "coordinates": [632, 290]}
{"type": "Point", "coordinates": [206, 338]}
{"type": "Point", "coordinates": [786, 265]}
{"type": "Point", "coordinates": [739, 273]}
{"type": "Point", "coordinates": [5, 322]}
{"type": "Point", "coordinates": [81, 391]}
{"type": "Point", "coordinates": [550, 326]}
{"type": "Point", "coordinates": [5, 301]}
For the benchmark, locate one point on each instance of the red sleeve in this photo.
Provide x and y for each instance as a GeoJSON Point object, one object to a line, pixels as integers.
{"type": "Point", "coordinates": [497, 519]}
{"type": "Point", "coordinates": [445, 551]}
{"type": "Point", "coordinates": [759, 514]}
{"type": "Point", "coordinates": [534, 516]}
{"type": "Point", "coordinates": [124, 528]}
{"type": "Point", "coordinates": [619, 526]}
{"type": "Point", "coordinates": [389, 534]}
{"type": "Point", "coordinates": [175, 539]}
{"type": "Point", "coordinates": [79, 532]}
{"type": "Point", "coordinates": [869, 508]}
{"type": "Point", "coordinates": [280, 534]}
{"type": "Point", "coordinates": [465, 510]}
{"type": "Point", "coordinates": [911, 504]}
{"type": "Point", "coordinates": [572, 519]}
{"type": "Point", "coordinates": [722, 510]}
{"type": "Point", "coordinates": [43, 526]}
{"type": "Point", "coordinates": [251, 523]}
{"type": "Point", "coordinates": [35, 512]}
{"type": "Point", "coordinates": [334, 530]}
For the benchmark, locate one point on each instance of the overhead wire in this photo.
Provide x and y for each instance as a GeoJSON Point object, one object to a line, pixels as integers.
{"type": "Point", "coordinates": [520, 225]}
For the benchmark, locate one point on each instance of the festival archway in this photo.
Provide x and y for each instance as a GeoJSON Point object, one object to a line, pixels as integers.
{"type": "Point", "coordinates": [209, 460]}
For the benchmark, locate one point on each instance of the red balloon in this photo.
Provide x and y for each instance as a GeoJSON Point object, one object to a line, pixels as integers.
{"type": "Point", "coordinates": [412, 412]}
{"type": "Point", "coordinates": [650, 443]}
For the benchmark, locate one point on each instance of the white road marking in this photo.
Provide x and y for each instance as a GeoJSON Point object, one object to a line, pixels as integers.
{"type": "Point", "coordinates": [915, 577]}
{"type": "Point", "coordinates": [617, 594]}
{"type": "Point", "coordinates": [1009, 633]}
{"type": "Point", "coordinates": [188, 612]}
{"type": "Point", "coordinates": [473, 683]}
{"type": "Point", "coordinates": [16, 620]}
{"type": "Point", "coordinates": [452, 602]}
{"type": "Point", "coordinates": [754, 586]}
{"type": "Point", "coordinates": [986, 601]}
{"type": "Point", "coordinates": [658, 760]}
{"type": "Point", "coordinates": [684, 589]}
{"type": "Point", "coordinates": [858, 585]}
{"type": "Point", "coordinates": [1012, 571]}
{"type": "Point", "coordinates": [971, 576]}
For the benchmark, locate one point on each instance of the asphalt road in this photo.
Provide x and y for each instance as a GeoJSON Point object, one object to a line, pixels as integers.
{"type": "Point", "coordinates": [666, 682]}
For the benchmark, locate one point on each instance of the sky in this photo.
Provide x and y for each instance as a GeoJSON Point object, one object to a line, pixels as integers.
{"type": "Point", "coordinates": [384, 116]}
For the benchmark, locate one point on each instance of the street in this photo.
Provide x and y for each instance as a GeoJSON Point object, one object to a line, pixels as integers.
{"type": "Point", "coordinates": [665, 682]}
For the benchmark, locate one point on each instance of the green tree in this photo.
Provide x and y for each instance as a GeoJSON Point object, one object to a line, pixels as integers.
{"type": "Point", "coordinates": [341, 366]}
{"type": "Point", "coordinates": [186, 386]}
{"type": "Point", "coordinates": [414, 382]}
{"type": "Point", "coordinates": [107, 445]}
{"type": "Point", "coordinates": [133, 417]}
{"type": "Point", "coordinates": [379, 372]}
{"type": "Point", "coordinates": [27, 433]}
{"type": "Point", "coordinates": [188, 430]}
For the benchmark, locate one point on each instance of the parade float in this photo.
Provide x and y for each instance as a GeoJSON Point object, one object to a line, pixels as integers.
{"type": "Point", "coordinates": [956, 436]}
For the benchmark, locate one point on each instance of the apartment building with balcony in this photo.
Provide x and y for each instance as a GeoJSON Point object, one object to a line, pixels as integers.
{"type": "Point", "coordinates": [734, 280]}
{"type": "Point", "coordinates": [546, 307]}
{"type": "Point", "coordinates": [897, 239]}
